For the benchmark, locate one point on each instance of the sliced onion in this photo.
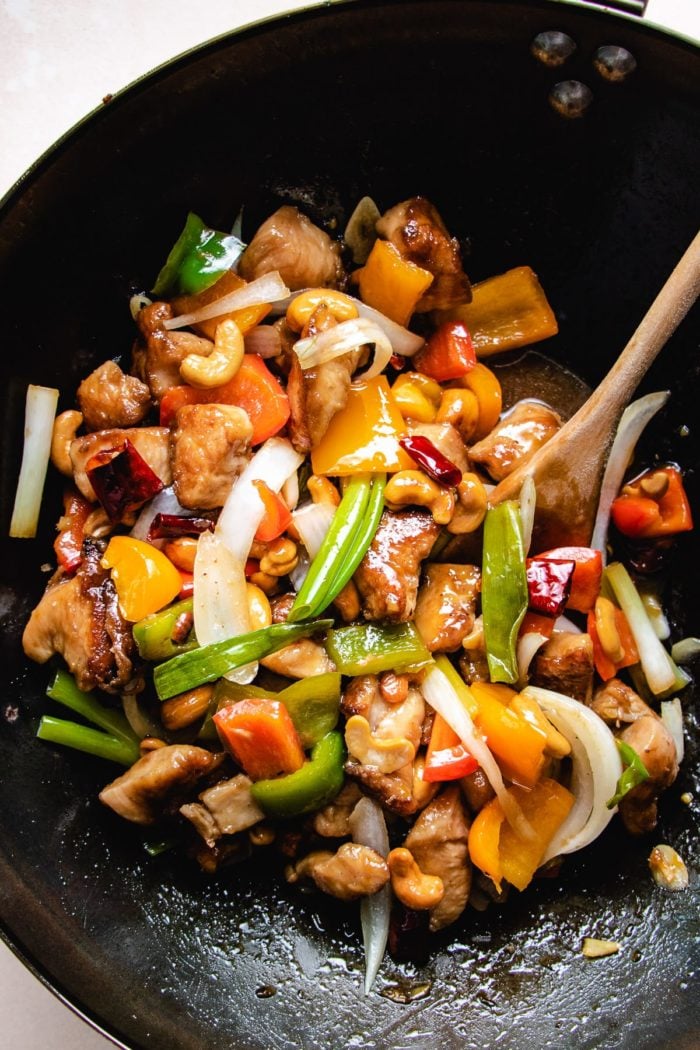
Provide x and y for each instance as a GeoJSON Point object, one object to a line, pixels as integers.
{"type": "Point", "coordinates": [269, 288]}
{"type": "Point", "coordinates": [243, 510]}
{"type": "Point", "coordinates": [672, 718]}
{"type": "Point", "coordinates": [656, 614]}
{"type": "Point", "coordinates": [290, 491]}
{"type": "Point", "coordinates": [658, 668]}
{"type": "Point", "coordinates": [139, 722]}
{"type": "Point", "coordinates": [220, 602]}
{"type": "Point", "coordinates": [528, 502]}
{"type": "Point", "coordinates": [563, 623]}
{"type": "Point", "coordinates": [300, 570]}
{"type": "Point", "coordinates": [685, 650]}
{"type": "Point", "coordinates": [528, 645]}
{"type": "Point", "coordinates": [596, 769]}
{"type": "Point", "coordinates": [368, 828]}
{"type": "Point", "coordinates": [360, 233]}
{"type": "Point", "coordinates": [442, 696]}
{"type": "Point", "coordinates": [264, 340]}
{"type": "Point", "coordinates": [137, 303]}
{"type": "Point", "coordinates": [164, 502]}
{"type": "Point", "coordinates": [312, 522]}
{"type": "Point", "coordinates": [39, 415]}
{"type": "Point", "coordinates": [633, 421]}
{"type": "Point", "coordinates": [347, 336]}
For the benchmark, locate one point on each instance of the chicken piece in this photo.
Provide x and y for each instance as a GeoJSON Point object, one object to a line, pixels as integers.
{"type": "Point", "coordinates": [446, 606]}
{"type": "Point", "coordinates": [438, 842]}
{"type": "Point", "coordinates": [416, 229]}
{"type": "Point", "coordinates": [387, 577]}
{"type": "Point", "coordinates": [515, 438]}
{"type": "Point", "coordinates": [151, 443]}
{"type": "Point", "coordinates": [301, 659]}
{"type": "Point", "coordinates": [158, 363]}
{"type": "Point", "coordinates": [304, 255]}
{"type": "Point", "coordinates": [110, 398]}
{"type": "Point", "coordinates": [446, 439]}
{"type": "Point", "coordinates": [210, 448]}
{"type": "Point", "coordinates": [565, 665]}
{"type": "Point", "coordinates": [352, 871]}
{"type": "Point", "coordinates": [78, 618]}
{"type": "Point", "coordinates": [477, 790]}
{"type": "Point", "coordinates": [316, 395]}
{"type": "Point", "coordinates": [636, 724]}
{"type": "Point", "coordinates": [156, 784]}
{"type": "Point", "coordinates": [224, 809]}
{"type": "Point", "coordinates": [332, 822]}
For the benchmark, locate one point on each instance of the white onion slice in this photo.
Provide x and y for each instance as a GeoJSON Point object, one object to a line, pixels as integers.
{"type": "Point", "coordinates": [137, 303]}
{"type": "Point", "coordinates": [442, 696]}
{"type": "Point", "coordinates": [368, 828]}
{"type": "Point", "coordinates": [164, 502]}
{"type": "Point", "coordinates": [685, 650]}
{"type": "Point", "coordinates": [264, 340]}
{"type": "Point", "coordinates": [672, 718]}
{"type": "Point", "coordinates": [528, 503]}
{"type": "Point", "coordinates": [39, 415]}
{"type": "Point", "coordinates": [290, 491]}
{"type": "Point", "coordinates": [563, 623]}
{"type": "Point", "coordinates": [360, 233]}
{"type": "Point", "coordinates": [528, 645]}
{"type": "Point", "coordinates": [243, 510]}
{"type": "Point", "coordinates": [347, 336]}
{"type": "Point", "coordinates": [312, 522]}
{"type": "Point", "coordinates": [596, 769]}
{"type": "Point", "coordinates": [656, 614]}
{"type": "Point", "coordinates": [220, 599]}
{"type": "Point", "coordinates": [269, 288]}
{"type": "Point", "coordinates": [139, 722]}
{"type": "Point", "coordinates": [633, 421]}
{"type": "Point", "coordinates": [300, 570]}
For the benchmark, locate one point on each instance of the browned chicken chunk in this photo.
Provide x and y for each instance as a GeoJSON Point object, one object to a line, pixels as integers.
{"type": "Point", "coordinates": [156, 784]}
{"type": "Point", "coordinates": [157, 360]}
{"type": "Point", "coordinates": [210, 448]}
{"type": "Point", "coordinates": [477, 790]}
{"type": "Point", "coordinates": [518, 435]}
{"type": "Point", "coordinates": [78, 618]}
{"type": "Point", "coordinates": [316, 395]}
{"type": "Point", "coordinates": [332, 821]}
{"type": "Point", "coordinates": [438, 842]}
{"type": "Point", "coordinates": [289, 242]}
{"type": "Point", "coordinates": [636, 724]}
{"type": "Point", "coordinates": [151, 443]}
{"type": "Point", "coordinates": [446, 605]}
{"type": "Point", "coordinates": [352, 871]}
{"type": "Point", "coordinates": [301, 659]}
{"type": "Point", "coordinates": [416, 229]}
{"type": "Point", "coordinates": [387, 577]}
{"type": "Point", "coordinates": [224, 809]}
{"type": "Point", "coordinates": [565, 665]}
{"type": "Point", "coordinates": [446, 439]}
{"type": "Point", "coordinates": [110, 398]}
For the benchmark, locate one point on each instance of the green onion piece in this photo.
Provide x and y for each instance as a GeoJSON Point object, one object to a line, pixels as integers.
{"type": "Point", "coordinates": [197, 260]}
{"type": "Point", "coordinates": [85, 738]}
{"type": "Point", "coordinates": [372, 648]}
{"type": "Point", "coordinates": [362, 539]}
{"type": "Point", "coordinates": [64, 691]}
{"type": "Point", "coordinates": [635, 773]}
{"type": "Point", "coordinates": [154, 634]}
{"type": "Point", "coordinates": [155, 848]}
{"type": "Point", "coordinates": [313, 598]}
{"type": "Point", "coordinates": [504, 594]}
{"type": "Point", "coordinates": [210, 662]}
{"type": "Point", "coordinates": [659, 669]}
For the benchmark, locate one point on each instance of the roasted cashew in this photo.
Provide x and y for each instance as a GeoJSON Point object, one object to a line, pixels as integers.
{"type": "Point", "coordinates": [412, 487]}
{"type": "Point", "coordinates": [475, 638]}
{"type": "Point", "coordinates": [413, 888]}
{"type": "Point", "coordinates": [393, 687]}
{"type": "Point", "coordinates": [280, 557]}
{"type": "Point", "coordinates": [259, 611]}
{"type": "Point", "coordinates": [385, 755]}
{"type": "Point", "coordinates": [185, 708]}
{"type": "Point", "coordinates": [64, 429]}
{"type": "Point", "coordinates": [470, 510]}
{"type": "Point", "coordinates": [606, 627]}
{"type": "Point", "coordinates": [460, 407]}
{"type": "Point", "coordinates": [222, 363]}
{"type": "Point", "coordinates": [423, 791]}
{"type": "Point", "coordinates": [181, 552]}
{"type": "Point", "coordinates": [304, 305]}
{"type": "Point", "coordinates": [322, 490]}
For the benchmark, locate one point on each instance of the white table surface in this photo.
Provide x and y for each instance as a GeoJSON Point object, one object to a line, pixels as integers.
{"type": "Point", "coordinates": [59, 58]}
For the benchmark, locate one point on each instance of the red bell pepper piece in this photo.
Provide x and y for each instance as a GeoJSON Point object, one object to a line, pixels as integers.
{"type": "Point", "coordinates": [261, 736]}
{"type": "Point", "coordinates": [535, 623]}
{"type": "Point", "coordinates": [447, 757]}
{"type": "Point", "coordinates": [122, 479]}
{"type": "Point", "coordinates": [588, 572]}
{"type": "Point", "coordinates": [639, 514]}
{"type": "Point", "coordinates": [277, 517]}
{"type": "Point", "coordinates": [448, 354]}
{"type": "Point", "coordinates": [427, 456]}
{"type": "Point", "coordinates": [549, 584]}
{"type": "Point", "coordinates": [68, 545]}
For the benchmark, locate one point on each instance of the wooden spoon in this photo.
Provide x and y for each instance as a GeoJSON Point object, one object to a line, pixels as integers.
{"type": "Point", "coordinates": [568, 469]}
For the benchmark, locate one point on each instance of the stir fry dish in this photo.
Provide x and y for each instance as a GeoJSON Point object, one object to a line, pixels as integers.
{"type": "Point", "coordinates": [286, 604]}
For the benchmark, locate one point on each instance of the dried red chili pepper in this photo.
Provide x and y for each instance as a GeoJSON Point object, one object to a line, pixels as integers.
{"type": "Point", "coordinates": [122, 479]}
{"type": "Point", "coordinates": [549, 584]}
{"type": "Point", "coordinates": [170, 526]}
{"type": "Point", "coordinates": [435, 465]}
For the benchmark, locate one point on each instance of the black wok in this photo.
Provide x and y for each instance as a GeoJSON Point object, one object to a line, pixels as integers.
{"type": "Point", "coordinates": [390, 99]}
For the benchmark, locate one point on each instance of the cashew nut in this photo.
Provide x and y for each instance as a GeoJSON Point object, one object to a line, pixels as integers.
{"type": "Point", "coordinates": [181, 552]}
{"type": "Point", "coordinates": [393, 687]}
{"type": "Point", "coordinates": [385, 755]}
{"type": "Point", "coordinates": [64, 429]}
{"type": "Point", "coordinates": [280, 557]}
{"type": "Point", "coordinates": [412, 487]}
{"type": "Point", "coordinates": [470, 510]}
{"type": "Point", "coordinates": [606, 627]}
{"type": "Point", "coordinates": [304, 305]}
{"type": "Point", "coordinates": [259, 611]}
{"type": "Point", "coordinates": [221, 364]}
{"type": "Point", "coordinates": [322, 490]}
{"type": "Point", "coordinates": [413, 888]}
{"type": "Point", "coordinates": [460, 407]}
{"type": "Point", "coordinates": [423, 791]}
{"type": "Point", "coordinates": [185, 708]}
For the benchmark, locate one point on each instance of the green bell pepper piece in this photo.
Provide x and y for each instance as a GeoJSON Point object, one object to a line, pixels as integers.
{"type": "Point", "coordinates": [314, 785]}
{"type": "Point", "coordinates": [635, 773]}
{"type": "Point", "coordinates": [372, 648]}
{"type": "Point", "coordinates": [154, 634]}
{"type": "Point", "coordinates": [199, 257]}
{"type": "Point", "coordinates": [504, 594]}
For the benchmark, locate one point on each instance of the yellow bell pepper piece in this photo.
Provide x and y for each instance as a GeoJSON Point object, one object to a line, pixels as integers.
{"type": "Point", "coordinates": [506, 312]}
{"type": "Point", "coordinates": [363, 438]}
{"type": "Point", "coordinates": [390, 283]}
{"type": "Point", "coordinates": [144, 579]}
{"type": "Point", "coordinates": [517, 744]}
{"type": "Point", "coordinates": [496, 849]}
{"type": "Point", "coordinates": [487, 389]}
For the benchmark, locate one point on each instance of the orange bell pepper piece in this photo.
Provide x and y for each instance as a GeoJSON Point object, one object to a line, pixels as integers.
{"type": "Point", "coordinates": [536, 623]}
{"type": "Point", "coordinates": [506, 312]}
{"type": "Point", "coordinates": [261, 736]}
{"type": "Point", "coordinates": [447, 758]}
{"type": "Point", "coordinates": [628, 655]}
{"type": "Point", "coordinates": [144, 579]}
{"type": "Point", "coordinates": [639, 514]}
{"type": "Point", "coordinates": [277, 517]}
{"type": "Point", "coordinates": [487, 390]}
{"type": "Point", "coordinates": [501, 854]}
{"type": "Point", "coordinates": [390, 283]}
{"type": "Point", "coordinates": [364, 436]}
{"type": "Point", "coordinates": [253, 388]}
{"type": "Point", "coordinates": [448, 353]}
{"type": "Point", "coordinates": [517, 744]}
{"type": "Point", "coordinates": [246, 318]}
{"type": "Point", "coordinates": [588, 573]}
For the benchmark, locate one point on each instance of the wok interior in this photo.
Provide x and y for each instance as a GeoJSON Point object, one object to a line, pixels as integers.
{"type": "Point", "coordinates": [442, 99]}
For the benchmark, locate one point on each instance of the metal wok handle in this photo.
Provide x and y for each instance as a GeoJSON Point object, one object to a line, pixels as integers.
{"type": "Point", "coordinates": [680, 18]}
